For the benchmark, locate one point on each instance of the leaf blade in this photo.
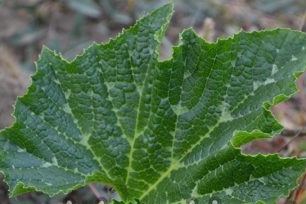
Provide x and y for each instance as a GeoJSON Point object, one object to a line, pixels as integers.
{"type": "Point", "coordinates": [161, 132]}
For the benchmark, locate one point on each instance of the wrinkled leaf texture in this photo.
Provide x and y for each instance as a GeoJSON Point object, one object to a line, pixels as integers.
{"type": "Point", "coordinates": [160, 132]}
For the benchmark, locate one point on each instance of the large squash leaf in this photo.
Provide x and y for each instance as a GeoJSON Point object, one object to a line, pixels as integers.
{"type": "Point", "coordinates": [160, 132]}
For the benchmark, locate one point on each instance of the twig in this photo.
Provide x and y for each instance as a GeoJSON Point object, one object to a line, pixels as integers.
{"type": "Point", "coordinates": [294, 195]}
{"type": "Point", "coordinates": [297, 134]}
{"type": "Point", "coordinates": [96, 192]}
{"type": "Point", "coordinates": [303, 21]}
{"type": "Point", "coordinates": [291, 133]}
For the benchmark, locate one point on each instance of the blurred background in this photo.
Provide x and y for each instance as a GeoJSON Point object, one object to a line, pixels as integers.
{"type": "Point", "coordinates": [69, 26]}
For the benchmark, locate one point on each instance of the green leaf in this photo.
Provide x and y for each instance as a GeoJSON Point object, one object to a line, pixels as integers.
{"type": "Point", "coordinates": [160, 132]}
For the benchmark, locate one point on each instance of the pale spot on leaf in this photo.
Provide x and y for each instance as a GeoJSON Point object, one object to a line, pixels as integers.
{"type": "Point", "coordinates": [293, 58]}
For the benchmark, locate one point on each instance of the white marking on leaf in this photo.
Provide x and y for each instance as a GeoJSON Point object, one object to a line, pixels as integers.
{"type": "Point", "coordinates": [215, 202]}
{"type": "Point", "coordinates": [179, 110]}
{"type": "Point", "coordinates": [67, 94]}
{"type": "Point", "coordinates": [262, 180]}
{"type": "Point", "coordinates": [229, 191]}
{"type": "Point", "coordinates": [19, 150]}
{"type": "Point", "coordinates": [46, 165]}
{"type": "Point", "coordinates": [67, 109]}
{"type": "Point", "coordinates": [274, 69]}
{"type": "Point", "coordinates": [293, 58]}
{"type": "Point", "coordinates": [56, 81]}
{"type": "Point", "coordinates": [84, 140]}
{"type": "Point", "coordinates": [191, 202]}
{"type": "Point", "coordinates": [269, 81]}
{"type": "Point", "coordinates": [226, 116]}
{"type": "Point", "coordinates": [257, 84]}
{"type": "Point", "coordinates": [54, 161]}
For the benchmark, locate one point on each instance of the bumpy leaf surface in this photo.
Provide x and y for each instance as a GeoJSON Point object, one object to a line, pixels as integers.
{"type": "Point", "coordinates": [160, 132]}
